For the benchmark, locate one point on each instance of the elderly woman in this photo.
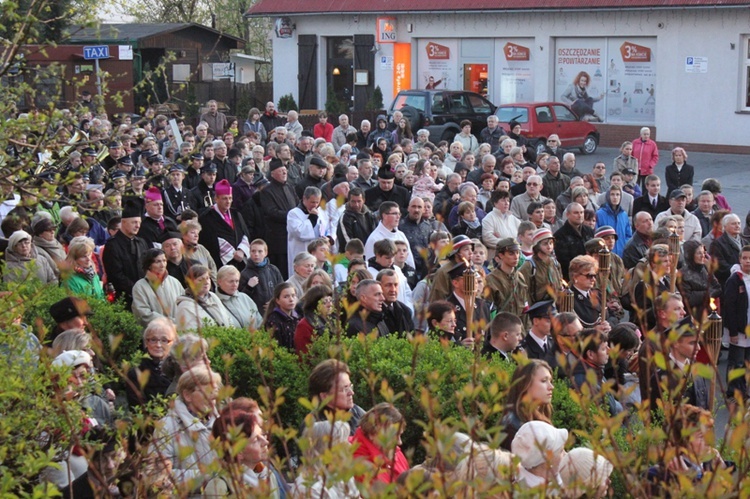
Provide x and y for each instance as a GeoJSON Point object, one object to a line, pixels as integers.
{"type": "Point", "coordinates": [183, 436]}
{"type": "Point", "coordinates": [378, 441]}
{"type": "Point", "coordinates": [199, 306]}
{"type": "Point", "coordinates": [678, 173]}
{"type": "Point", "coordinates": [158, 338]}
{"type": "Point", "coordinates": [191, 230]}
{"type": "Point", "coordinates": [156, 294]}
{"type": "Point", "coordinates": [248, 473]}
{"type": "Point", "coordinates": [581, 196]}
{"type": "Point", "coordinates": [43, 229]}
{"type": "Point", "coordinates": [304, 265]}
{"type": "Point", "coordinates": [242, 311]}
{"type": "Point", "coordinates": [188, 351]}
{"type": "Point", "coordinates": [317, 309]}
{"type": "Point", "coordinates": [22, 261]}
{"type": "Point", "coordinates": [81, 279]}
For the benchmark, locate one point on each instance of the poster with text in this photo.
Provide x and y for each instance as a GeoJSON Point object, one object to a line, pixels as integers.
{"type": "Point", "coordinates": [437, 63]}
{"type": "Point", "coordinates": [580, 81]}
{"type": "Point", "coordinates": [514, 70]}
{"type": "Point", "coordinates": [631, 80]}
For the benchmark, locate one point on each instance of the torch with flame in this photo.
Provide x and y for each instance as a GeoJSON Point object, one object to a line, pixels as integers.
{"type": "Point", "coordinates": [565, 299]}
{"type": "Point", "coordinates": [674, 255]}
{"type": "Point", "coordinates": [604, 258]}
{"type": "Point", "coordinates": [712, 340]}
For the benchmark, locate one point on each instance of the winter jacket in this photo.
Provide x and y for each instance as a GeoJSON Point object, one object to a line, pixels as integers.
{"type": "Point", "coordinates": [388, 470]}
{"type": "Point", "coordinates": [180, 430]}
{"type": "Point", "coordinates": [268, 276]}
{"type": "Point", "coordinates": [19, 269]}
{"type": "Point", "coordinates": [192, 314]}
{"type": "Point", "coordinates": [241, 310]}
{"type": "Point", "coordinates": [150, 303]}
{"type": "Point", "coordinates": [355, 225]}
{"type": "Point", "coordinates": [647, 155]}
{"type": "Point", "coordinates": [283, 327]}
{"type": "Point", "coordinates": [616, 218]}
{"type": "Point", "coordinates": [83, 286]}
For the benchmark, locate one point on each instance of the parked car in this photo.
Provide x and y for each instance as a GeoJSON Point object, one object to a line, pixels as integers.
{"type": "Point", "coordinates": [441, 111]}
{"type": "Point", "coordinates": [539, 120]}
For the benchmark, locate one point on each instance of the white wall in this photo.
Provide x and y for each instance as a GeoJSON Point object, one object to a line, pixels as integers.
{"type": "Point", "coordinates": [694, 108]}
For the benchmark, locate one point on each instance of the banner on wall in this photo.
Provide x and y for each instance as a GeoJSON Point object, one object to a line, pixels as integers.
{"type": "Point", "coordinates": [437, 63]}
{"type": "Point", "coordinates": [401, 67]}
{"type": "Point", "coordinates": [514, 70]}
{"type": "Point", "coordinates": [579, 76]}
{"type": "Point", "coordinates": [631, 80]}
{"type": "Point", "coordinates": [607, 79]}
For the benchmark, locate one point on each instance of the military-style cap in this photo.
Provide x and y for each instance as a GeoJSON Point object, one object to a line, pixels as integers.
{"type": "Point", "coordinates": [125, 160]}
{"type": "Point", "coordinates": [209, 168]}
{"type": "Point", "coordinates": [508, 244]}
{"type": "Point", "coordinates": [69, 308]}
{"type": "Point", "coordinates": [541, 309]}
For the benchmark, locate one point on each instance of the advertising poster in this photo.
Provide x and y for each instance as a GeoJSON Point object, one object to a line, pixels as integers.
{"type": "Point", "coordinates": [401, 64]}
{"type": "Point", "coordinates": [514, 70]}
{"type": "Point", "coordinates": [437, 63]}
{"type": "Point", "coordinates": [580, 82]}
{"type": "Point", "coordinates": [631, 80]}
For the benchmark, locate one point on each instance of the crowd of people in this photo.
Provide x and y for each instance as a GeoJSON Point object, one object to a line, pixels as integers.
{"type": "Point", "coordinates": [352, 230]}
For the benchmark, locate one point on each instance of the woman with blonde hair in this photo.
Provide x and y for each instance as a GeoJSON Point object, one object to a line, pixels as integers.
{"type": "Point", "coordinates": [191, 230]}
{"type": "Point", "coordinates": [82, 278]}
{"type": "Point", "coordinates": [529, 398]}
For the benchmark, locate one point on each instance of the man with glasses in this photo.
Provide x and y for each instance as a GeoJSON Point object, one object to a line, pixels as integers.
{"type": "Point", "coordinates": [520, 203]}
{"type": "Point", "coordinates": [599, 174]}
{"type": "Point", "coordinates": [390, 216]}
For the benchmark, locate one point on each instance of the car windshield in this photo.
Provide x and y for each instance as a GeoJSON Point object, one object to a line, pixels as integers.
{"type": "Point", "coordinates": [511, 113]}
{"type": "Point", "coordinates": [415, 101]}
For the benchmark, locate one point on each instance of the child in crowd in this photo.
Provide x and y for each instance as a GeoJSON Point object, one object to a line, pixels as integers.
{"type": "Point", "coordinates": [402, 253]}
{"type": "Point", "coordinates": [425, 186]}
{"type": "Point", "coordinates": [526, 238]}
{"type": "Point", "coordinates": [321, 249]}
{"type": "Point", "coordinates": [354, 250]}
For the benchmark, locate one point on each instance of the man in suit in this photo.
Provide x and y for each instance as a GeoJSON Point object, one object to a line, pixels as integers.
{"type": "Point", "coordinates": [651, 202]}
{"type": "Point", "coordinates": [458, 299]}
{"type": "Point", "coordinates": [537, 343]}
{"type": "Point", "coordinates": [123, 252]}
{"type": "Point", "coordinates": [505, 337]}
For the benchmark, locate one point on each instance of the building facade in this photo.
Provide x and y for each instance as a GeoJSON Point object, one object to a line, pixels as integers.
{"type": "Point", "coordinates": [680, 66]}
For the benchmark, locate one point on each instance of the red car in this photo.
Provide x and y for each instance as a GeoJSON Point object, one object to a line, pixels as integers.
{"type": "Point", "coordinates": [539, 120]}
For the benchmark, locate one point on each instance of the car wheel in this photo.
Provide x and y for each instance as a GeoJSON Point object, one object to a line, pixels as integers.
{"type": "Point", "coordinates": [414, 116]}
{"type": "Point", "coordinates": [448, 136]}
{"type": "Point", "coordinates": [589, 145]}
{"type": "Point", "coordinates": [540, 144]}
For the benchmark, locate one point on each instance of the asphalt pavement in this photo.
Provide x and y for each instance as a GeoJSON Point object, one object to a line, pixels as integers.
{"type": "Point", "coordinates": [731, 170]}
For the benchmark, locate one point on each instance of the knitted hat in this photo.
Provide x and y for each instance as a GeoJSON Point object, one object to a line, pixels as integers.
{"type": "Point", "coordinates": [72, 358]}
{"type": "Point", "coordinates": [582, 467]}
{"type": "Point", "coordinates": [542, 235]}
{"type": "Point", "coordinates": [605, 230]}
{"type": "Point", "coordinates": [534, 440]}
{"type": "Point", "coordinates": [17, 237]}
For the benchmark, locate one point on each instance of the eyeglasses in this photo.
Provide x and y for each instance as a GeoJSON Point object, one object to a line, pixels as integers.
{"type": "Point", "coordinates": [589, 276]}
{"type": "Point", "coordinates": [532, 183]}
{"type": "Point", "coordinates": [164, 341]}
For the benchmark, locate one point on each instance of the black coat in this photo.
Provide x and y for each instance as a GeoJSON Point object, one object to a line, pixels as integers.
{"type": "Point", "coordinates": [587, 308]}
{"type": "Point", "coordinates": [175, 202]}
{"type": "Point", "coordinates": [481, 316]}
{"type": "Point", "coordinates": [268, 278]}
{"type": "Point", "coordinates": [283, 327]}
{"type": "Point", "coordinates": [397, 318]}
{"type": "Point", "coordinates": [734, 305]}
{"type": "Point", "coordinates": [675, 178]}
{"type": "Point", "coordinates": [308, 181]}
{"type": "Point", "coordinates": [366, 322]}
{"type": "Point", "coordinates": [214, 227]}
{"type": "Point", "coordinates": [570, 243]}
{"type": "Point", "coordinates": [157, 383]}
{"type": "Point", "coordinates": [726, 254]}
{"type": "Point", "coordinates": [201, 197]}
{"type": "Point", "coordinates": [225, 170]}
{"type": "Point", "coordinates": [276, 201]}
{"type": "Point", "coordinates": [150, 231]}
{"type": "Point", "coordinates": [122, 263]}
{"type": "Point", "coordinates": [644, 204]}
{"type": "Point", "coordinates": [375, 196]}
{"type": "Point", "coordinates": [533, 350]}
{"type": "Point", "coordinates": [355, 225]}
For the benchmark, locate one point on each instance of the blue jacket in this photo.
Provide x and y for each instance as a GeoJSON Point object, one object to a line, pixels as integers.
{"type": "Point", "coordinates": [619, 221]}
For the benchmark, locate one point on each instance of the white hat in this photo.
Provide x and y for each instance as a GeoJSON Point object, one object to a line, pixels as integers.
{"type": "Point", "coordinates": [72, 358]}
{"type": "Point", "coordinates": [534, 439]}
{"type": "Point", "coordinates": [582, 468]}
{"type": "Point", "coordinates": [17, 237]}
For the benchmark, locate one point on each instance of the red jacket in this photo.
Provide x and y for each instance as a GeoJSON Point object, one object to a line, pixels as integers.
{"type": "Point", "coordinates": [387, 470]}
{"type": "Point", "coordinates": [647, 154]}
{"type": "Point", "coordinates": [303, 336]}
{"type": "Point", "coordinates": [324, 131]}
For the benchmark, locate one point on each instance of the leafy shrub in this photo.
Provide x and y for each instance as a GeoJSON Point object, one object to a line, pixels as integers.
{"type": "Point", "coordinates": [287, 103]}
{"type": "Point", "coordinates": [376, 100]}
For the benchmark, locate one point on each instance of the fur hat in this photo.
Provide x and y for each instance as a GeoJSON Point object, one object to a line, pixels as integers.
{"type": "Point", "coordinates": [581, 468]}
{"type": "Point", "coordinates": [535, 440]}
